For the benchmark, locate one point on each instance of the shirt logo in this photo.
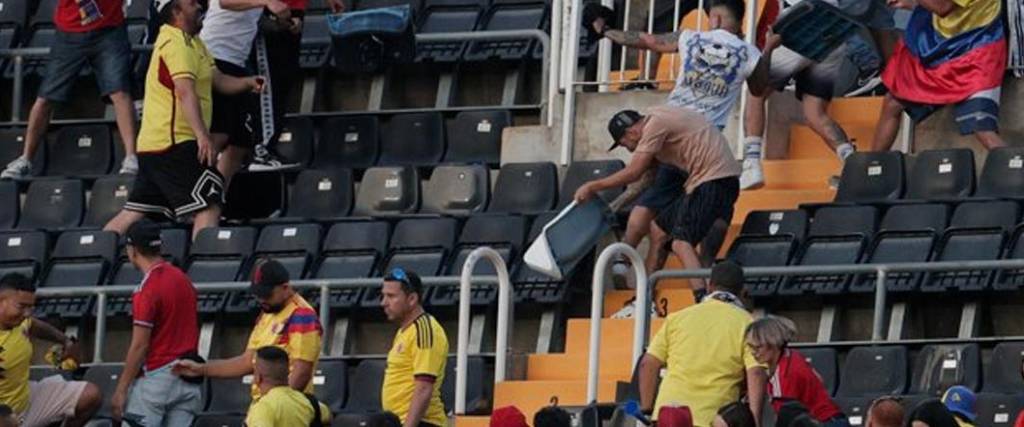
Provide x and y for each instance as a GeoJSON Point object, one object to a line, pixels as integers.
{"type": "Point", "coordinates": [399, 348]}
{"type": "Point", "coordinates": [277, 328]}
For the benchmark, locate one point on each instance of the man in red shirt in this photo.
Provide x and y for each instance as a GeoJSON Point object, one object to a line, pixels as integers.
{"type": "Point", "coordinates": [89, 32]}
{"type": "Point", "coordinates": [165, 329]}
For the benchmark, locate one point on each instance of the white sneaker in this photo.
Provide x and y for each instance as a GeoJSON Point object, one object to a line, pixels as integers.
{"type": "Point", "coordinates": [752, 177]}
{"type": "Point", "coordinates": [628, 310]}
{"type": "Point", "coordinates": [20, 168]}
{"type": "Point", "coordinates": [264, 160]}
{"type": "Point", "coordinates": [129, 166]}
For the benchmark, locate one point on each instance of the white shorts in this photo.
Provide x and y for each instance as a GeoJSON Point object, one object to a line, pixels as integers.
{"type": "Point", "coordinates": [51, 400]}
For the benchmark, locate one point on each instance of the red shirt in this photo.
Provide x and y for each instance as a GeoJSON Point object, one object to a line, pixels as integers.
{"type": "Point", "coordinates": [166, 302]}
{"type": "Point", "coordinates": [296, 4]}
{"type": "Point", "coordinates": [79, 16]}
{"type": "Point", "coordinates": [795, 379]}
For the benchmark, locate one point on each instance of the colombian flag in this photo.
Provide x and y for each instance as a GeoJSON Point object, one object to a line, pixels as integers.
{"type": "Point", "coordinates": [944, 60]}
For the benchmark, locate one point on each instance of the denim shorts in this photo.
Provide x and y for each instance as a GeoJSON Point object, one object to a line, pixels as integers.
{"type": "Point", "coordinates": [107, 51]}
{"type": "Point", "coordinates": [161, 398]}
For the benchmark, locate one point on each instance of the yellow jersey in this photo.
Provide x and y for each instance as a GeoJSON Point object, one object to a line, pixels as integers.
{"type": "Point", "coordinates": [418, 353]}
{"type": "Point", "coordinates": [296, 329]}
{"type": "Point", "coordinates": [176, 55]}
{"type": "Point", "coordinates": [706, 358]}
{"type": "Point", "coordinates": [15, 358]}
{"type": "Point", "coordinates": [283, 406]}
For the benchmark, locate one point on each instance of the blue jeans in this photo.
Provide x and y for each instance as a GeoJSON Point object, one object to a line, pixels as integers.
{"type": "Point", "coordinates": [162, 399]}
{"type": "Point", "coordinates": [107, 51]}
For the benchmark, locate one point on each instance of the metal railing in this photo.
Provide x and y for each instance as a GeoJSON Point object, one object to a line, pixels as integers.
{"type": "Point", "coordinates": [504, 321]}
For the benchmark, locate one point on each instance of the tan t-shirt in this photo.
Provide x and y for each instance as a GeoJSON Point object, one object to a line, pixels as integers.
{"type": "Point", "coordinates": [683, 138]}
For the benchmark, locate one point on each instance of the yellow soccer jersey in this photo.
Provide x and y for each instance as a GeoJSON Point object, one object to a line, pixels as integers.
{"type": "Point", "coordinates": [15, 358]}
{"type": "Point", "coordinates": [296, 329]}
{"type": "Point", "coordinates": [284, 407]}
{"type": "Point", "coordinates": [419, 352]}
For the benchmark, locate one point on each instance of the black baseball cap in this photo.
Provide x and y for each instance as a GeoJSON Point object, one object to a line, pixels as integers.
{"type": "Point", "coordinates": [619, 123]}
{"type": "Point", "coordinates": [267, 275]}
{"type": "Point", "coordinates": [727, 274]}
{"type": "Point", "coordinates": [142, 234]}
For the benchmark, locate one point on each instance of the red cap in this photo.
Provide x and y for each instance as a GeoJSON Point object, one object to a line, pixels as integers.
{"type": "Point", "coordinates": [675, 416]}
{"type": "Point", "coordinates": [508, 416]}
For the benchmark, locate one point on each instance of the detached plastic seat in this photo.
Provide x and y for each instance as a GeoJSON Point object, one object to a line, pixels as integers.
{"type": "Point", "coordinates": [418, 245]}
{"type": "Point", "coordinates": [504, 234]}
{"type": "Point", "coordinates": [525, 188]}
{"type": "Point", "coordinates": [348, 142]}
{"type": "Point", "coordinates": [838, 235]}
{"type": "Point", "coordinates": [456, 190]}
{"type": "Point", "coordinates": [351, 250]}
{"type": "Point", "coordinates": [107, 197]}
{"type": "Point", "coordinates": [388, 191]}
{"type": "Point", "coordinates": [23, 252]}
{"type": "Point", "coordinates": [940, 366]}
{"type": "Point", "coordinates": [219, 254]}
{"type": "Point", "coordinates": [581, 172]}
{"type": "Point", "coordinates": [447, 16]}
{"type": "Point", "coordinates": [80, 258]}
{"type": "Point", "coordinates": [53, 204]}
{"type": "Point", "coordinates": [978, 231]}
{"type": "Point", "coordinates": [320, 195]}
{"type": "Point", "coordinates": [80, 151]}
{"type": "Point", "coordinates": [825, 362]}
{"type": "Point", "coordinates": [315, 45]}
{"type": "Point", "coordinates": [9, 201]}
{"type": "Point", "coordinates": [296, 141]}
{"type": "Point", "coordinates": [908, 233]}
{"type": "Point", "coordinates": [330, 383]}
{"type": "Point", "coordinates": [874, 371]}
{"type": "Point", "coordinates": [1002, 373]}
{"type": "Point", "coordinates": [871, 177]}
{"type": "Point", "coordinates": [414, 139]}
{"type": "Point", "coordinates": [509, 15]}
{"type": "Point", "coordinates": [942, 175]}
{"type": "Point", "coordinates": [293, 245]}
{"type": "Point", "coordinates": [475, 137]}
{"type": "Point", "coordinates": [1003, 174]}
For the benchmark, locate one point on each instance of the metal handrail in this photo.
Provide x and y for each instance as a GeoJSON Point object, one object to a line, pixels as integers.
{"type": "Point", "coordinates": [641, 312]}
{"type": "Point", "coordinates": [504, 321]}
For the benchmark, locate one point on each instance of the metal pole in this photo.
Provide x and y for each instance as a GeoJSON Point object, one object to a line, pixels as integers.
{"type": "Point", "coordinates": [623, 51]}
{"type": "Point", "coordinates": [325, 312]}
{"type": "Point", "coordinates": [101, 326]}
{"type": "Point", "coordinates": [504, 321]}
{"type": "Point", "coordinates": [751, 37]}
{"type": "Point", "coordinates": [604, 56]}
{"type": "Point", "coordinates": [554, 54]}
{"type": "Point", "coordinates": [640, 314]}
{"type": "Point", "coordinates": [19, 82]}
{"type": "Point", "coordinates": [569, 106]}
{"type": "Point", "coordinates": [879, 315]}
{"type": "Point", "coordinates": [650, 29]}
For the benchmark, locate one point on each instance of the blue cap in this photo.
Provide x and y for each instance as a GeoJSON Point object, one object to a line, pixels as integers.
{"type": "Point", "coordinates": [960, 401]}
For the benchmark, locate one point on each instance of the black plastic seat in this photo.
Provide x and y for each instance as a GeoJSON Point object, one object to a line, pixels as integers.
{"type": "Point", "coordinates": [825, 362]}
{"type": "Point", "coordinates": [977, 231]}
{"type": "Point", "coordinates": [219, 254]}
{"type": "Point", "coordinates": [581, 172]}
{"type": "Point", "coordinates": [874, 371]}
{"type": "Point", "coordinates": [504, 234]}
{"type": "Point", "coordinates": [229, 396]}
{"type": "Point", "coordinates": [942, 175]}
{"type": "Point", "coordinates": [23, 252]}
{"type": "Point", "coordinates": [210, 420]}
{"type": "Point", "coordinates": [1002, 373]}
{"type": "Point", "coordinates": [40, 33]}
{"type": "Point", "coordinates": [351, 250]}
{"type": "Point", "coordinates": [871, 177]}
{"type": "Point", "coordinates": [315, 47]}
{"type": "Point", "coordinates": [80, 151]}
{"type": "Point", "coordinates": [940, 366]}
{"type": "Point", "coordinates": [348, 142]}
{"type": "Point", "coordinates": [373, 4]}
{"type": "Point", "coordinates": [998, 410]}
{"type": "Point", "coordinates": [418, 245]}
{"type": "Point", "coordinates": [525, 188]}
{"type": "Point", "coordinates": [855, 409]}
{"type": "Point", "coordinates": [9, 202]}
{"type": "Point", "coordinates": [1003, 174]}
{"type": "Point", "coordinates": [475, 137]}
{"type": "Point", "coordinates": [12, 24]}
{"type": "Point", "coordinates": [447, 16]}
{"type": "Point", "coordinates": [838, 235]}
{"type": "Point", "coordinates": [12, 143]}
{"type": "Point", "coordinates": [768, 239]}
{"type": "Point", "coordinates": [295, 246]}
{"type": "Point", "coordinates": [509, 15]}
{"type": "Point", "coordinates": [908, 234]}
{"type": "Point", "coordinates": [296, 141]}
{"type": "Point", "coordinates": [456, 190]}
{"type": "Point", "coordinates": [321, 195]}
{"type": "Point", "coordinates": [107, 197]}
{"type": "Point", "coordinates": [530, 285]}
{"type": "Point", "coordinates": [80, 258]}
{"type": "Point", "coordinates": [476, 385]}
{"type": "Point", "coordinates": [53, 204]}
{"type": "Point", "coordinates": [414, 139]}
{"type": "Point", "coordinates": [330, 383]}
{"type": "Point", "coordinates": [368, 379]}
{"type": "Point", "coordinates": [388, 191]}
{"type": "Point", "coordinates": [105, 377]}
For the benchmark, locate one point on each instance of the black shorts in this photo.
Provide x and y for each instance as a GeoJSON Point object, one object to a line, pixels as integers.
{"type": "Point", "coordinates": [690, 217]}
{"type": "Point", "coordinates": [173, 183]}
{"type": "Point", "coordinates": [666, 188]}
{"type": "Point", "coordinates": [235, 115]}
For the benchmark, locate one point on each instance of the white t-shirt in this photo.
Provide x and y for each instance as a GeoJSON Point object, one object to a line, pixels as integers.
{"type": "Point", "coordinates": [228, 34]}
{"type": "Point", "coordinates": [713, 66]}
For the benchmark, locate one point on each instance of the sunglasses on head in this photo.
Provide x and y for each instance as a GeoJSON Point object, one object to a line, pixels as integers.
{"type": "Point", "coordinates": [398, 274]}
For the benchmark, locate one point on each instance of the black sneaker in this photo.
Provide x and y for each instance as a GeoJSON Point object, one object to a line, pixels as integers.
{"type": "Point", "coordinates": [264, 160]}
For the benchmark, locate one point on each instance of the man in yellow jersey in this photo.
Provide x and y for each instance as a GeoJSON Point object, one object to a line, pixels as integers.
{"type": "Point", "coordinates": [706, 357]}
{"type": "Point", "coordinates": [176, 155]}
{"type": "Point", "coordinates": [415, 371]}
{"type": "Point", "coordinates": [281, 405]}
{"type": "Point", "coordinates": [37, 403]}
{"type": "Point", "coordinates": [287, 321]}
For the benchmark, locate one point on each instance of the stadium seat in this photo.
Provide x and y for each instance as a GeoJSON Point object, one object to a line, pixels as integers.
{"type": "Point", "coordinates": [773, 223]}
{"type": "Point", "coordinates": [447, 16]}
{"type": "Point", "coordinates": [418, 245]}
{"type": "Point", "coordinates": [414, 139]}
{"type": "Point", "coordinates": [80, 258]}
{"type": "Point", "coordinates": [9, 201]}
{"type": "Point", "coordinates": [41, 34]}
{"type": "Point", "coordinates": [508, 15]}
{"type": "Point", "coordinates": [908, 234]}
{"type": "Point", "coordinates": [768, 239]}
{"type": "Point", "coordinates": [23, 252]}
{"type": "Point", "coordinates": [295, 246]}
{"type": "Point", "coordinates": [388, 191]}
{"type": "Point", "coordinates": [207, 420]}
{"type": "Point", "coordinates": [80, 151]}
{"type": "Point", "coordinates": [871, 177]}
{"type": "Point", "coordinates": [838, 235]}
{"type": "Point", "coordinates": [12, 142]}
{"type": "Point", "coordinates": [874, 371]}
{"type": "Point", "coordinates": [52, 204]}
{"type": "Point", "coordinates": [173, 247]}
{"type": "Point", "coordinates": [477, 385]}
{"type": "Point", "coordinates": [525, 188]}
{"type": "Point", "coordinates": [373, 4]}
{"type": "Point", "coordinates": [229, 396]}
{"type": "Point", "coordinates": [475, 137]}
{"type": "Point", "coordinates": [855, 409]}
{"type": "Point", "coordinates": [503, 233]}
{"type": "Point", "coordinates": [219, 254]}
{"type": "Point", "coordinates": [107, 197]}
{"type": "Point", "coordinates": [942, 175]}
{"type": "Point", "coordinates": [940, 366]}
{"type": "Point", "coordinates": [36, 373]}
{"type": "Point", "coordinates": [330, 383]}
{"type": "Point", "coordinates": [998, 410]}
{"type": "Point", "coordinates": [105, 376]}
{"type": "Point", "coordinates": [368, 379]}
{"type": "Point", "coordinates": [824, 361]}
{"type": "Point", "coordinates": [351, 250]}
{"type": "Point", "coordinates": [1003, 174]}
{"type": "Point", "coordinates": [456, 190]}
{"type": "Point", "coordinates": [296, 141]}
{"type": "Point", "coordinates": [977, 231]}
{"type": "Point", "coordinates": [12, 23]}
{"type": "Point", "coordinates": [320, 195]}
{"type": "Point", "coordinates": [315, 47]}
{"type": "Point", "coordinates": [348, 142]}
{"type": "Point", "coordinates": [581, 172]}
{"type": "Point", "coordinates": [1002, 373]}
{"type": "Point", "coordinates": [528, 284]}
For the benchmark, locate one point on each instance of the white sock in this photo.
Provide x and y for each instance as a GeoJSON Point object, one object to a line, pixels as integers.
{"type": "Point", "coordinates": [752, 148]}
{"type": "Point", "coordinates": [844, 150]}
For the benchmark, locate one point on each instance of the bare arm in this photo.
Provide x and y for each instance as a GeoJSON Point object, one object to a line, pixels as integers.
{"type": "Point", "coordinates": [650, 368]}
{"type": "Point", "coordinates": [137, 351]}
{"type": "Point", "coordinates": [301, 374]}
{"type": "Point", "coordinates": [230, 368]}
{"type": "Point", "coordinates": [418, 406]}
{"type": "Point", "coordinates": [185, 91]}
{"type": "Point", "coordinates": [633, 191]}
{"type": "Point", "coordinates": [665, 43]}
{"type": "Point", "coordinates": [44, 331]}
{"type": "Point", "coordinates": [636, 168]}
{"type": "Point", "coordinates": [759, 81]}
{"type": "Point", "coordinates": [231, 85]}
{"type": "Point", "coordinates": [756, 380]}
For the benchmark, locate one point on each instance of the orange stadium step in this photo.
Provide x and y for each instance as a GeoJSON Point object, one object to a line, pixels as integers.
{"type": "Point", "coordinates": [804, 143]}
{"type": "Point", "coordinates": [615, 366]}
{"type": "Point", "coordinates": [857, 111]}
{"type": "Point", "coordinates": [666, 297]}
{"type": "Point", "coordinates": [777, 199]}
{"type": "Point", "coordinates": [800, 174]}
{"type": "Point", "coordinates": [532, 396]}
{"type": "Point", "coordinates": [614, 332]}
{"type": "Point", "coordinates": [471, 421]}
